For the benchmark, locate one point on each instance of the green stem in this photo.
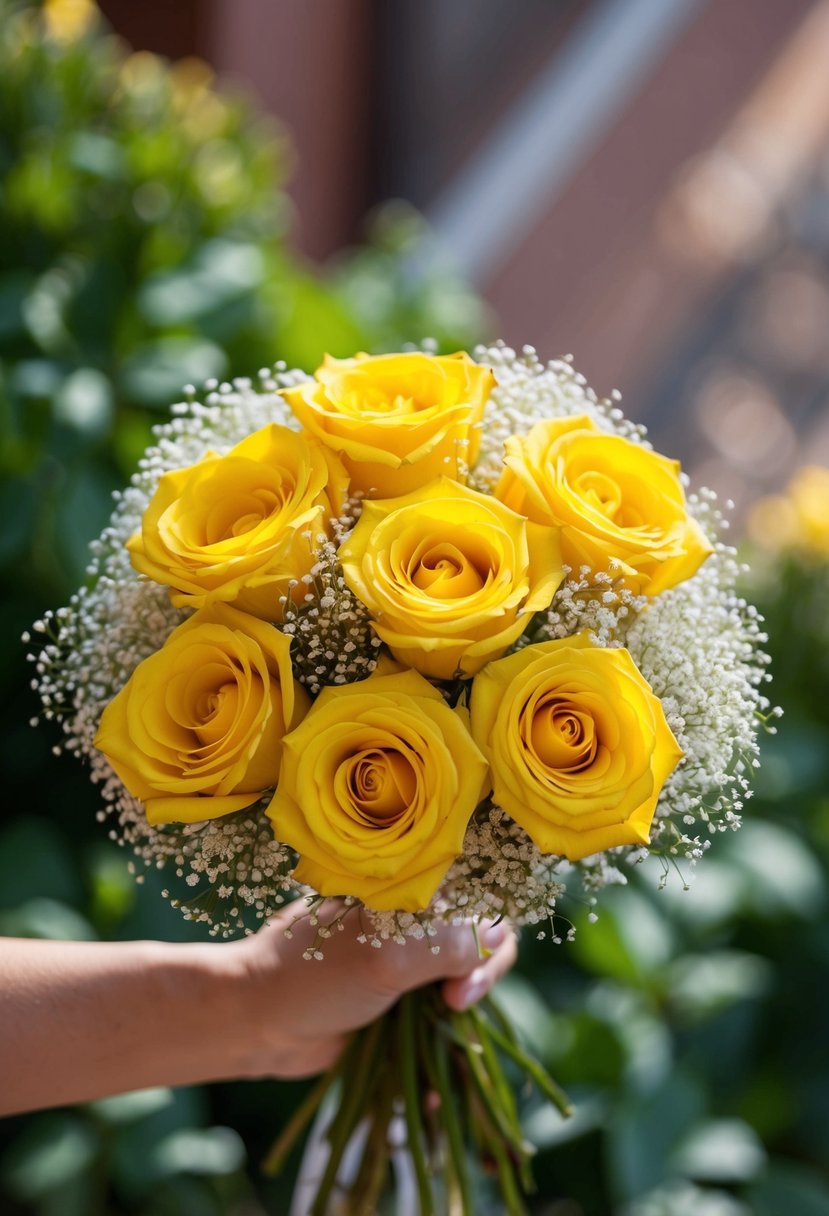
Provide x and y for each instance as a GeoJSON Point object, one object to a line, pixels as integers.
{"type": "Point", "coordinates": [490, 1101]}
{"type": "Point", "coordinates": [493, 1067]}
{"type": "Point", "coordinates": [368, 1182]}
{"type": "Point", "coordinates": [552, 1092]}
{"type": "Point", "coordinates": [411, 1103]}
{"type": "Point", "coordinates": [505, 1098]}
{"type": "Point", "coordinates": [491, 1145]}
{"type": "Point", "coordinates": [506, 1177]}
{"type": "Point", "coordinates": [300, 1119]}
{"type": "Point", "coordinates": [361, 1081]}
{"type": "Point", "coordinates": [452, 1125]}
{"type": "Point", "coordinates": [492, 1007]}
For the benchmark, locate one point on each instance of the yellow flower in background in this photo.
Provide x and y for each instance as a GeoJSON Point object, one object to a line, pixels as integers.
{"type": "Point", "coordinates": [450, 576]}
{"type": "Point", "coordinates": [377, 786]}
{"type": "Point", "coordinates": [809, 492]}
{"type": "Point", "coordinates": [612, 498]}
{"type": "Point", "coordinates": [201, 111]}
{"type": "Point", "coordinates": [190, 78]}
{"type": "Point", "coordinates": [68, 20]}
{"type": "Point", "coordinates": [235, 528]}
{"type": "Point", "coordinates": [798, 518]}
{"type": "Point", "coordinates": [578, 744]}
{"type": "Point", "coordinates": [397, 421]}
{"type": "Point", "coordinates": [197, 730]}
{"type": "Point", "coordinates": [143, 72]}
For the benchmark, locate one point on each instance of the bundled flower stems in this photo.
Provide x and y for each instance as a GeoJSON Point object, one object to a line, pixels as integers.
{"type": "Point", "coordinates": [438, 637]}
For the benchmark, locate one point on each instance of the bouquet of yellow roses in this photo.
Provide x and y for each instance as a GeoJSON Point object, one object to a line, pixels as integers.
{"type": "Point", "coordinates": [441, 637]}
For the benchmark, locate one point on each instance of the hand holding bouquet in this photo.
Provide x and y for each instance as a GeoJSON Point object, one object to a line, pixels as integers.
{"type": "Point", "coordinates": [440, 638]}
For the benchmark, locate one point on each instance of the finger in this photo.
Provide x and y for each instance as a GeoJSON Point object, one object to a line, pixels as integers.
{"type": "Point", "coordinates": [461, 992]}
{"type": "Point", "coordinates": [297, 923]}
{"type": "Point", "coordinates": [453, 951]}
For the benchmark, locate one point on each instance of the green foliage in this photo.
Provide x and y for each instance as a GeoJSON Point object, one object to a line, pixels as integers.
{"type": "Point", "coordinates": [144, 224]}
{"type": "Point", "coordinates": [144, 246]}
{"type": "Point", "coordinates": [150, 1151]}
{"type": "Point", "coordinates": [690, 1025]}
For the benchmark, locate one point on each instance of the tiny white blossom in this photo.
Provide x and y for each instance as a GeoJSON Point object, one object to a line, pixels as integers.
{"type": "Point", "coordinates": [699, 645]}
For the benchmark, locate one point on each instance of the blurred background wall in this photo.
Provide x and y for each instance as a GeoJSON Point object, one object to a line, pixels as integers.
{"type": "Point", "coordinates": [643, 184]}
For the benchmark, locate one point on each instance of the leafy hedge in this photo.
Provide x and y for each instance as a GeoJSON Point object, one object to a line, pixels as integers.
{"type": "Point", "coordinates": [144, 223]}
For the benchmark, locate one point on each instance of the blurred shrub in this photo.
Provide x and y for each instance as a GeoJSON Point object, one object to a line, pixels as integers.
{"type": "Point", "coordinates": [690, 1026]}
{"type": "Point", "coordinates": [144, 246]}
{"type": "Point", "coordinates": [144, 221]}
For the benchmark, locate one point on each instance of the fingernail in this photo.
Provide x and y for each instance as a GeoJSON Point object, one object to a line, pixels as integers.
{"type": "Point", "coordinates": [493, 934]}
{"type": "Point", "coordinates": [475, 987]}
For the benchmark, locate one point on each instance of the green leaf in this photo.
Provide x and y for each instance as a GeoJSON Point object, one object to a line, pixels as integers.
{"type": "Point", "coordinates": [98, 155]}
{"type": "Point", "coordinates": [534, 1021]}
{"type": "Point", "coordinates": [221, 272]}
{"type": "Point", "coordinates": [185, 1195]}
{"type": "Point", "coordinates": [782, 876]}
{"type": "Point", "coordinates": [85, 508]}
{"type": "Point", "coordinates": [630, 941]}
{"type": "Point", "coordinates": [212, 1150]}
{"type": "Point", "coordinates": [790, 1190]}
{"type": "Point", "coordinates": [702, 985]}
{"type": "Point", "coordinates": [37, 862]}
{"type": "Point", "coordinates": [645, 1038]}
{"type": "Point", "coordinates": [52, 1152]}
{"type": "Point", "coordinates": [794, 761]}
{"type": "Point", "coordinates": [545, 1127]}
{"type": "Point", "coordinates": [645, 1130]}
{"type": "Point", "coordinates": [84, 402]}
{"type": "Point", "coordinates": [37, 378]}
{"type": "Point", "coordinates": [722, 1150]}
{"type": "Point", "coordinates": [679, 1198]}
{"type": "Point", "coordinates": [715, 894]}
{"type": "Point", "coordinates": [593, 1050]}
{"type": "Point", "coordinates": [129, 1107]}
{"type": "Point", "coordinates": [113, 887]}
{"type": "Point", "coordinates": [18, 510]}
{"type": "Point", "coordinates": [14, 287]}
{"type": "Point", "coordinates": [133, 435]}
{"type": "Point", "coordinates": [156, 373]}
{"type": "Point", "coordinates": [46, 918]}
{"type": "Point", "coordinates": [313, 323]}
{"type": "Point", "coordinates": [137, 1140]}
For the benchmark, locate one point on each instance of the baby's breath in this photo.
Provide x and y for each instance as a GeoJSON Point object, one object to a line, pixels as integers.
{"type": "Point", "coordinates": [529, 391]}
{"type": "Point", "coordinates": [699, 646]}
{"type": "Point", "coordinates": [502, 873]}
{"type": "Point", "coordinates": [230, 871]}
{"type": "Point", "coordinates": [334, 642]}
{"type": "Point", "coordinates": [596, 603]}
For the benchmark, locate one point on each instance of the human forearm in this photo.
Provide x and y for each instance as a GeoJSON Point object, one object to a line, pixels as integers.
{"type": "Point", "coordinates": [80, 1020]}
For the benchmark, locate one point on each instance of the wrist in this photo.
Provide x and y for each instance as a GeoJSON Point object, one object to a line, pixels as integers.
{"type": "Point", "coordinates": [200, 990]}
{"type": "Point", "coordinates": [244, 1013]}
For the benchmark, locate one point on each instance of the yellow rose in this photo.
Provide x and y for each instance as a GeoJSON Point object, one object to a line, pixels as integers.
{"type": "Point", "coordinates": [451, 577]}
{"type": "Point", "coordinates": [234, 528]}
{"type": "Point", "coordinates": [577, 742]}
{"type": "Point", "coordinates": [799, 518]}
{"type": "Point", "coordinates": [809, 493]}
{"type": "Point", "coordinates": [377, 786]}
{"type": "Point", "coordinates": [397, 421]}
{"type": "Point", "coordinates": [68, 20]}
{"type": "Point", "coordinates": [196, 732]}
{"type": "Point", "coordinates": [613, 499]}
